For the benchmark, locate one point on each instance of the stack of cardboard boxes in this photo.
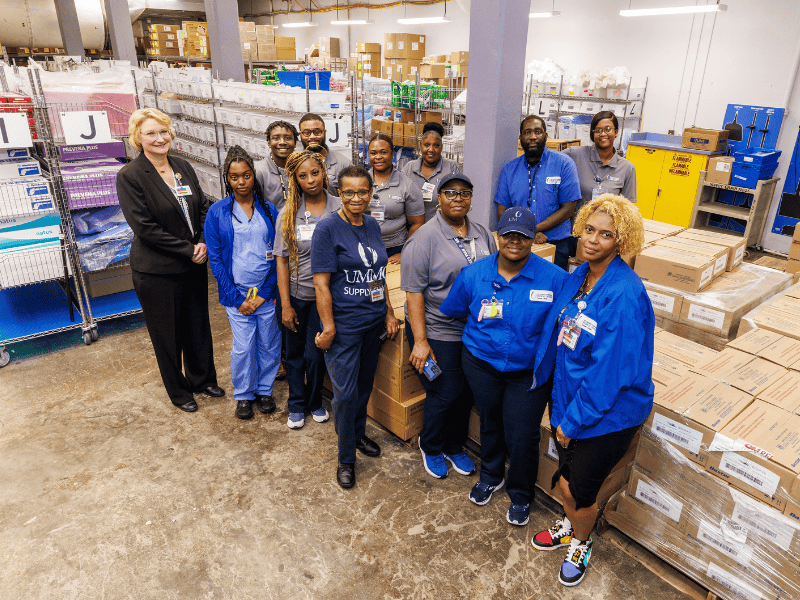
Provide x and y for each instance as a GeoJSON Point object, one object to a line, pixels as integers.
{"type": "Point", "coordinates": [248, 40]}
{"type": "Point", "coordinates": [366, 60]}
{"type": "Point", "coordinates": [265, 42]}
{"type": "Point", "coordinates": [286, 48]}
{"type": "Point", "coordinates": [443, 69]}
{"type": "Point", "coordinates": [162, 40]}
{"type": "Point", "coordinates": [780, 314]}
{"type": "Point", "coordinates": [193, 39]}
{"type": "Point", "coordinates": [715, 488]}
{"type": "Point", "coordinates": [403, 54]}
{"type": "Point", "coordinates": [327, 55]}
{"type": "Point", "coordinates": [399, 123]}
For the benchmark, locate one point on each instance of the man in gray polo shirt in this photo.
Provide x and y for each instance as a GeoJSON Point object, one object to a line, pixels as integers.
{"type": "Point", "coordinates": [271, 172]}
{"type": "Point", "coordinates": [313, 135]}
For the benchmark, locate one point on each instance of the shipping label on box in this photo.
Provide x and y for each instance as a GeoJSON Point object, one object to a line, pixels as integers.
{"type": "Point", "coordinates": [719, 170]}
{"type": "Point", "coordinates": [665, 303]}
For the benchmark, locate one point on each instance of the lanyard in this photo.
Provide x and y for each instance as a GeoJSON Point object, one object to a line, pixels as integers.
{"type": "Point", "coordinates": [580, 297]}
{"type": "Point", "coordinates": [459, 242]}
{"type": "Point", "coordinates": [531, 179]}
{"type": "Point", "coordinates": [355, 232]}
{"type": "Point", "coordinates": [280, 176]}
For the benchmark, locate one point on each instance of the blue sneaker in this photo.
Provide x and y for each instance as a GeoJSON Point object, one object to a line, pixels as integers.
{"type": "Point", "coordinates": [574, 568]}
{"type": "Point", "coordinates": [518, 514]}
{"type": "Point", "coordinates": [296, 420]}
{"type": "Point", "coordinates": [482, 492]}
{"type": "Point", "coordinates": [461, 463]}
{"type": "Point", "coordinates": [320, 415]}
{"type": "Point", "coordinates": [434, 465]}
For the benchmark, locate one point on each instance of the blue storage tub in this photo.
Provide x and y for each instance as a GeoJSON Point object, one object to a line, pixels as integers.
{"type": "Point", "coordinates": [298, 79]}
{"type": "Point", "coordinates": [757, 156]}
{"type": "Point", "coordinates": [747, 175]}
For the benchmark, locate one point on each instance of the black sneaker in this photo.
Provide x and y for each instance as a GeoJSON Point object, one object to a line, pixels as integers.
{"type": "Point", "coordinates": [265, 404]}
{"type": "Point", "coordinates": [574, 567]}
{"type": "Point", "coordinates": [244, 410]}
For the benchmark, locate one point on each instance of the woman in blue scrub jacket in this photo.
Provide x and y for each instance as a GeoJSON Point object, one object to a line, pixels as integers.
{"type": "Point", "coordinates": [348, 260]}
{"type": "Point", "coordinates": [505, 299]}
{"type": "Point", "coordinates": [598, 346]}
{"type": "Point", "coordinates": [307, 203]}
{"type": "Point", "coordinates": [240, 233]}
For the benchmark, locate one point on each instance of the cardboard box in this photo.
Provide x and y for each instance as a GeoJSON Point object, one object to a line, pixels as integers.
{"type": "Point", "coordinates": [682, 349]}
{"type": "Point", "coordinates": [432, 71]}
{"type": "Point", "coordinates": [400, 382]}
{"type": "Point", "coordinates": [681, 270]}
{"type": "Point", "coordinates": [265, 31]}
{"type": "Point", "coordinates": [759, 452]}
{"type": "Point", "coordinates": [284, 42]}
{"type": "Point", "coordinates": [163, 52]}
{"type": "Point", "coordinates": [756, 376]}
{"type": "Point", "coordinates": [108, 281]}
{"type": "Point", "coordinates": [397, 133]}
{"type": "Point", "coordinates": [719, 170]}
{"type": "Point", "coordinates": [718, 253]}
{"type": "Point", "coordinates": [162, 36]}
{"type": "Point", "coordinates": [409, 46]}
{"type": "Point", "coordinates": [784, 352]}
{"type": "Point", "coordinates": [368, 47]}
{"type": "Point", "coordinates": [665, 301]}
{"type": "Point", "coordinates": [404, 419]}
{"type": "Point", "coordinates": [403, 115]}
{"type": "Point", "coordinates": [410, 135]}
{"type": "Point", "coordinates": [248, 26]}
{"type": "Point", "coordinates": [155, 28]}
{"type": "Point", "coordinates": [724, 364]}
{"type": "Point", "coordinates": [397, 351]}
{"type": "Point", "coordinates": [390, 45]}
{"type": "Point", "coordinates": [668, 370]}
{"type": "Point", "coordinates": [286, 54]}
{"type": "Point", "coordinates": [665, 506]}
{"type": "Point", "coordinates": [267, 52]}
{"type": "Point", "coordinates": [663, 229]}
{"type": "Point", "coordinates": [381, 126]}
{"type": "Point", "coordinates": [460, 57]}
{"type": "Point", "coordinates": [784, 393]}
{"type": "Point", "coordinates": [735, 244]}
{"type": "Point", "coordinates": [195, 27]}
{"type": "Point", "coordinates": [711, 140]}
{"type": "Point", "coordinates": [756, 340]}
{"type": "Point", "coordinates": [329, 47]}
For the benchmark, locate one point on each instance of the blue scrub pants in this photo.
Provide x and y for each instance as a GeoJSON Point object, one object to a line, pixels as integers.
{"type": "Point", "coordinates": [448, 401]}
{"type": "Point", "coordinates": [256, 352]}
{"type": "Point", "coordinates": [351, 361]}
{"type": "Point", "coordinates": [511, 417]}
{"type": "Point", "coordinates": [305, 366]}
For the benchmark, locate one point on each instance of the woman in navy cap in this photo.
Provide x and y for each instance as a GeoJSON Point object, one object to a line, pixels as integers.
{"type": "Point", "coordinates": [598, 347]}
{"type": "Point", "coordinates": [431, 260]}
{"type": "Point", "coordinates": [505, 300]}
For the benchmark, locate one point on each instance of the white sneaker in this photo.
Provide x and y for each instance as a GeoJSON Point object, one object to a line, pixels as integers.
{"type": "Point", "coordinates": [296, 420]}
{"type": "Point", "coordinates": [320, 415]}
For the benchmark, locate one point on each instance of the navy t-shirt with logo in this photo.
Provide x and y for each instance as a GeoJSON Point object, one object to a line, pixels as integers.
{"type": "Point", "coordinates": [355, 257]}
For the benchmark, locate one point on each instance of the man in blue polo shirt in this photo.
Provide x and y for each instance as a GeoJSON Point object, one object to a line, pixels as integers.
{"type": "Point", "coordinates": [544, 181]}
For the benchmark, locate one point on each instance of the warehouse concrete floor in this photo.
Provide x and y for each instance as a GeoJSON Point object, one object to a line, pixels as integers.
{"type": "Point", "coordinates": [108, 491]}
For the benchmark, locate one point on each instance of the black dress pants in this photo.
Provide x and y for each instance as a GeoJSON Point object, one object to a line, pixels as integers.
{"type": "Point", "coordinates": [175, 310]}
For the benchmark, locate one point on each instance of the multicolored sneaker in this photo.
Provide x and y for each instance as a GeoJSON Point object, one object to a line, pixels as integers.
{"type": "Point", "coordinates": [557, 536]}
{"type": "Point", "coordinates": [574, 568]}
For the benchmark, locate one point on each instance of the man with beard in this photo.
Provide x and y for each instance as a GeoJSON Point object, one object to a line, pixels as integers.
{"type": "Point", "coordinates": [271, 171]}
{"type": "Point", "coordinates": [313, 136]}
{"type": "Point", "coordinates": [545, 182]}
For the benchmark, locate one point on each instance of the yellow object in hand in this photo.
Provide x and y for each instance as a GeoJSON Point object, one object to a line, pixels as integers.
{"type": "Point", "coordinates": [251, 293]}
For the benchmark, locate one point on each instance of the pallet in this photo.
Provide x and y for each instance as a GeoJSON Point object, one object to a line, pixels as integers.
{"type": "Point", "coordinates": [653, 563]}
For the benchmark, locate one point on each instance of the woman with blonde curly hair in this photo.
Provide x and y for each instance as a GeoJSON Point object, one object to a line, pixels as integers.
{"type": "Point", "coordinates": [600, 355]}
{"type": "Point", "coordinates": [308, 201]}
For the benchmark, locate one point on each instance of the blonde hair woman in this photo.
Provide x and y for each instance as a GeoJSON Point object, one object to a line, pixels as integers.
{"type": "Point", "coordinates": [308, 201]}
{"type": "Point", "coordinates": [600, 357]}
{"type": "Point", "coordinates": [161, 199]}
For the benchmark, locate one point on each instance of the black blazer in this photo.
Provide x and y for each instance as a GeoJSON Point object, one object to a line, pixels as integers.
{"type": "Point", "coordinates": [162, 240]}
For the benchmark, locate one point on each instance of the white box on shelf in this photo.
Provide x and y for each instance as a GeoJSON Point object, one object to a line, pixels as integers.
{"type": "Point", "coordinates": [567, 131]}
{"type": "Point", "coordinates": [29, 264]}
{"type": "Point", "coordinates": [570, 106]}
{"type": "Point", "coordinates": [261, 147]}
{"type": "Point", "coordinates": [590, 107]}
{"type": "Point", "coordinates": [259, 122]}
{"type": "Point", "coordinates": [616, 92]}
{"type": "Point", "coordinates": [591, 92]}
{"type": "Point", "coordinates": [634, 109]}
{"type": "Point", "coordinates": [554, 89]}
{"type": "Point", "coordinates": [204, 111]}
{"type": "Point", "coordinates": [571, 90]}
{"type": "Point", "coordinates": [636, 94]}
{"type": "Point", "coordinates": [15, 168]}
{"type": "Point", "coordinates": [617, 109]}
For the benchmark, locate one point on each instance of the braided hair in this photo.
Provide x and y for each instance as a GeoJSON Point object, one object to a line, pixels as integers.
{"type": "Point", "coordinates": [239, 154]}
{"type": "Point", "coordinates": [293, 200]}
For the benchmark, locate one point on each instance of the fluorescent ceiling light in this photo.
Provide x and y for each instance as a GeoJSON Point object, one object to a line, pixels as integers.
{"type": "Point", "coordinates": [301, 24]}
{"type": "Point", "coordinates": [423, 20]}
{"type": "Point", "coordinates": [541, 15]}
{"type": "Point", "coordinates": [354, 22]}
{"type": "Point", "coordinates": [674, 10]}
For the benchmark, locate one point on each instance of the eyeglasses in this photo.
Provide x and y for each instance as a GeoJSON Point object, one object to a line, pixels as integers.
{"type": "Point", "coordinates": [153, 135]}
{"type": "Point", "coordinates": [606, 129]}
{"type": "Point", "coordinates": [350, 194]}
{"type": "Point", "coordinates": [451, 194]}
{"type": "Point", "coordinates": [310, 132]}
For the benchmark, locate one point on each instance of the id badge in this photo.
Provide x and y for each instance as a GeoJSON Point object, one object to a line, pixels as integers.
{"type": "Point", "coordinates": [376, 293]}
{"type": "Point", "coordinates": [492, 311]}
{"type": "Point", "coordinates": [304, 232]}
{"type": "Point", "coordinates": [427, 191]}
{"type": "Point", "coordinates": [569, 334]}
{"type": "Point", "coordinates": [378, 212]}
{"type": "Point", "coordinates": [183, 190]}
{"type": "Point", "coordinates": [598, 191]}
{"type": "Point", "coordinates": [270, 255]}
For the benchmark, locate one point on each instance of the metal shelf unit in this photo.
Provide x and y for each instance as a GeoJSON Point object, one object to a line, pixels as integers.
{"type": "Point", "coordinates": [705, 205]}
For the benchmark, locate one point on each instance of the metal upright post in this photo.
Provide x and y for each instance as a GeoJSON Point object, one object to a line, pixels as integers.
{"type": "Point", "coordinates": [363, 120]}
{"type": "Point", "coordinates": [216, 135]}
{"type": "Point", "coordinates": [308, 95]}
{"type": "Point", "coordinates": [417, 112]}
{"type": "Point", "coordinates": [135, 89]}
{"type": "Point", "coordinates": [353, 118]}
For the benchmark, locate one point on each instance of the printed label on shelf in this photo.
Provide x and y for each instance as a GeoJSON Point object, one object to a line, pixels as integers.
{"type": "Point", "coordinates": [85, 127]}
{"type": "Point", "coordinates": [749, 472]}
{"type": "Point", "coordinates": [706, 316]}
{"type": "Point", "coordinates": [15, 131]}
{"type": "Point", "coordinates": [661, 301]}
{"type": "Point", "coordinates": [677, 433]}
{"type": "Point", "coordinates": [733, 583]}
{"type": "Point", "coordinates": [711, 535]}
{"type": "Point", "coordinates": [663, 503]}
{"type": "Point", "coordinates": [768, 528]}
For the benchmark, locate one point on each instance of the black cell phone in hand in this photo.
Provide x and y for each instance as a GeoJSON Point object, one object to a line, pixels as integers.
{"type": "Point", "coordinates": [384, 335]}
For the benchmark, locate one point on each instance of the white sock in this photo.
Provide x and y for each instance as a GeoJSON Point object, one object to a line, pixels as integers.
{"type": "Point", "coordinates": [566, 522]}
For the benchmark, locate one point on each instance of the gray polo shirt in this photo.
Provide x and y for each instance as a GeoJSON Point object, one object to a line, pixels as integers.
{"type": "Point", "coordinates": [273, 180]}
{"type": "Point", "coordinates": [334, 163]}
{"type": "Point", "coordinates": [413, 171]}
{"type": "Point", "coordinates": [617, 177]}
{"type": "Point", "coordinates": [399, 199]}
{"type": "Point", "coordinates": [431, 262]}
{"type": "Point", "coordinates": [301, 286]}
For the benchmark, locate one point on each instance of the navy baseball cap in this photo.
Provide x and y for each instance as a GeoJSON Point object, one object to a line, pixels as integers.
{"type": "Point", "coordinates": [453, 177]}
{"type": "Point", "coordinates": [517, 219]}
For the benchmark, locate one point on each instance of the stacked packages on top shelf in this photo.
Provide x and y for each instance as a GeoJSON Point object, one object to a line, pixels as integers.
{"type": "Point", "coordinates": [30, 227]}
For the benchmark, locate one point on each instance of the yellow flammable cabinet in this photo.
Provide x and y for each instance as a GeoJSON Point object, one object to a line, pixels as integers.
{"type": "Point", "coordinates": [666, 176]}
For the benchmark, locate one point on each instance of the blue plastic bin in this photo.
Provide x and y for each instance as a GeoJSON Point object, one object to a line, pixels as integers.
{"type": "Point", "coordinates": [757, 156]}
{"type": "Point", "coordinates": [747, 175]}
{"type": "Point", "coordinates": [298, 79]}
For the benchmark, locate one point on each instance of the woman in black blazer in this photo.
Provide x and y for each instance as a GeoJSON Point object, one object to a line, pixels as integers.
{"type": "Point", "coordinates": [161, 199]}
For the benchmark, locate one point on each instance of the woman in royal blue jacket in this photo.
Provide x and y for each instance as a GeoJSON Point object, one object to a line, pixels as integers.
{"type": "Point", "coordinates": [600, 356]}
{"type": "Point", "coordinates": [240, 234]}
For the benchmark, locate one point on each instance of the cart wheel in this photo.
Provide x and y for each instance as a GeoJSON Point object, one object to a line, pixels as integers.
{"type": "Point", "coordinates": [95, 335]}
{"type": "Point", "coordinates": [746, 254]}
{"type": "Point", "coordinates": [760, 248]}
{"type": "Point", "coordinates": [87, 338]}
{"type": "Point", "coordinates": [5, 358]}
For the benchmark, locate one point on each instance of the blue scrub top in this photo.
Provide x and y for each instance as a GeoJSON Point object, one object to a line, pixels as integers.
{"type": "Point", "coordinates": [507, 344]}
{"type": "Point", "coordinates": [555, 182]}
{"type": "Point", "coordinates": [251, 246]}
{"type": "Point", "coordinates": [606, 383]}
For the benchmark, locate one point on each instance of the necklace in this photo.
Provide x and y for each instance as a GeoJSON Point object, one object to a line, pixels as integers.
{"type": "Point", "coordinates": [458, 230]}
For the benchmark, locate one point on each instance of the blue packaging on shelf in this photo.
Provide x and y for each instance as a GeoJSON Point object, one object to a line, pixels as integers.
{"type": "Point", "coordinates": [298, 79]}
{"type": "Point", "coordinates": [757, 156]}
{"type": "Point", "coordinates": [576, 119]}
{"type": "Point", "coordinates": [747, 175]}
